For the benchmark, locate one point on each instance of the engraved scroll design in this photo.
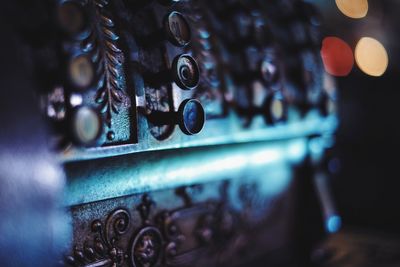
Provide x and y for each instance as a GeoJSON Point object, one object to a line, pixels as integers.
{"type": "Point", "coordinates": [105, 250]}
{"type": "Point", "coordinates": [101, 44]}
{"type": "Point", "coordinates": [178, 237]}
{"type": "Point", "coordinates": [146, 248]}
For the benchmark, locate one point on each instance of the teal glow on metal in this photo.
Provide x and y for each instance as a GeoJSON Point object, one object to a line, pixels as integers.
{"type": "Point", "coordinates": [135, 173]}
{"type": "Point", "coordinates": [215, 133]}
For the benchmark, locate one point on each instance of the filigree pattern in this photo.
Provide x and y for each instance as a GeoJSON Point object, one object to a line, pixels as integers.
{"type": "Point", "coordinates": [101, 44]}
{"type": "Point", "coordinates": [146, 248]}
{"type": "Point", "coordinates": [175, 237]}
{"type": "Point", "coordinates": [105, 251]}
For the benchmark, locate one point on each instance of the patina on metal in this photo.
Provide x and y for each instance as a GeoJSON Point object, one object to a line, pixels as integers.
{"type": "Point", "coordinates": [222, 191]}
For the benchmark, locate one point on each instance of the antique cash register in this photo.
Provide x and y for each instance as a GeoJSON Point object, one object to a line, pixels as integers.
{"type": "Point", "coordinates": [171, 133]}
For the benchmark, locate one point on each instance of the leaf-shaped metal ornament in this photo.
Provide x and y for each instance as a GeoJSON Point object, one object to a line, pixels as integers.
{"type": "Point", "coordinates": [101, 44]}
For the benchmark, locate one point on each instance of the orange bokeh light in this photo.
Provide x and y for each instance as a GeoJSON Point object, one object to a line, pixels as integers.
{"type": "Point", "coordinates": [355, 9]}
{"type": "Point", "coordinates": [371, 56]}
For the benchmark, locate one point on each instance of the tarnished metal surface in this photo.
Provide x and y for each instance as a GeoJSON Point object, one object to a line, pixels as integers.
{"type": "Point", "coordinates": [255, 69]}
{"type": "Point", "coordinates": [118, 176]}
{"type": "Point", "coordinates": [214, 224]}
{"type": "Point", "coordinates": [139, 192]}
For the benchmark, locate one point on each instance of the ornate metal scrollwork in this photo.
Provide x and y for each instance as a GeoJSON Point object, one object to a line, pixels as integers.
{"type": "Point", "coordinates": [176, 237]}
{"type": "Point", "coordinates": [105, 250]}
{"type": "Point", "coordinates": [146, 247]}
{"type": "Point", "coordinates": [108, 58]}
{"type": "Point", "coordinates": [100, 43]}
{"type": "Point", "coordinates": [147, 244]}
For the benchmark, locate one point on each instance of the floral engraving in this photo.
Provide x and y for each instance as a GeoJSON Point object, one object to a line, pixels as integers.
{"type": "Point", "coordinates": [101, 44]}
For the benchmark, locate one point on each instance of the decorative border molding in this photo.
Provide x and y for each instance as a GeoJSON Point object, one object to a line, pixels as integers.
{"type": "Point", "coordinates": [170, 237]}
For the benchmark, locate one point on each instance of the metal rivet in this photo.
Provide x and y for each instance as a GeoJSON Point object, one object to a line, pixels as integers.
{"type": "Point", "coordinates": [110, 135]}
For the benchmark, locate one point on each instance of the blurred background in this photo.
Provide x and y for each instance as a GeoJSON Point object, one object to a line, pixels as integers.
{"type": "Point", "coordinates": [365, 158]}
{"type": "Point", "coordinates": [366, 170]}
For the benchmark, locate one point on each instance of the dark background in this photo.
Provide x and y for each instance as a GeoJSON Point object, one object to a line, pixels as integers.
{"type": "Point", "coordinates": [366, 187]}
